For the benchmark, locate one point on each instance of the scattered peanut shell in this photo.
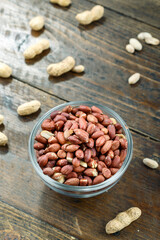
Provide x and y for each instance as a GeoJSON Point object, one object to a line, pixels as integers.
{"type": "Point", "coordinates": [1, 119]}
{"type": "Point", "coordinates": [5, 70]}
{"type": "Point", "coordinates": [134, 78]}
{"type": "Point", "coordinates": [150, 163]}
{"type": "Point", "coordinates": [123, 220]}
{"type": "Point", "coordinates": [78, 69]}
{"type": "Point", "coordinates": [62, 3]}
{"type": "Point", "coordinates": [144, 35]}
{"type": "Point", "coordinates": [136, 44]}
{"type": "Point", "coordinates": [57, 69]}
{"type": "Point", "coordinates": [46, 134]}
{"type": "Point", "coordinates": [152, 41]}
{"type": "Point", "coordinates": [28, 108]}
{"type": "Point", "coordinates": [37, 23]}
{"type": "Point", "coordinates": [36, 48]}
{"type": "Point", "coordinates": [88, 17]}
{"type": "Point", "coordinates": [3, 139]}
{"type": "Point", "coordinates": [130, 48]}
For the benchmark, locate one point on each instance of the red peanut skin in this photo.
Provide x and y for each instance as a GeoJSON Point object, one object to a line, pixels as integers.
{"type": "Point", "coordinates": [89, 180]}
{"type": "Point", "coordinates": [106, 122]}
{"type": "Point", "coordinates": [59, 125]}
{"type": "Point", "coordinates": [48, 125]}
{"type": "Point", "coordinates": [114, 170]}
{"type": "Point", "coordinates": [87, 155]}
{"type": "Point", "coordinates": [67, 125]}
{"type": "Point", "coordinates": [74, 110]}
{"type": "Point", "coordinates": [112, 131]}
{"type": "Point", "coordinates": [62, 162]}
{"type": "Point", "coordinates": [106, 172]}
{"type": "Point", "coordinates": [110, 154]}
{"type": "Point", "coordinates": [60, 137]}
{"type": "Point", "coordinates": [74, 139]}
{"type": "Point", "coordinates": [52, 156]}
{"type": "Point", "coordinates": [43, 160]}
{"type": "Point", "coordinates": [115, 145]}
{"type": "Point", "coordinates": [61, 153]}
{"type": "Point", "coordinates": [72, 117]}
{"type": "Point", "coordinates": [55, 113]}
{"type": "Point", "coordinates": [78, 169]}
{"type": "Point", "coordinates": [92, 163]}
{"type": "Point", "coordinates": [79, 154]}
{"type": "Point", "coordinates": [91, 118]}
{"type": "Point", "coordinates": [97, 134]}
{"type": "Point", "coordinates": [105, 130]}
{"type": "Point", "coordinates": [96, 109]}
{"type": "Point", "coordinates": [41, 152]}
{"type": "Point", "coordinates": [41, 139]}
{"type": "Point", "coordinates": [98, 116]}
{"type": "Point", "coordinates": [85, 109]}
{"type": "Point", "coordinates": [90, 172]}
{"type": "Point", "coordinates": [118, 126]}
{"type": "Point", "coordinates": [76, 162]}
{"type": "Point", "coordinates": [91, 129]}
{"type": "Point", "coordinates": [56, 169]}
{"type": "Point", "coordinates": [72, 148]}
{"type": "Point", "coordinates": [83, 182]}
{"type": "Point", "coordinates": [106, 147]}
{"type": "Point", "coordinates": [117, 152]}
{"type": "Point", "coordinates": [39, 146]}
{"type": "Point", "coordinates": [123, 154]}
{"type": "Point", "coordinates": [65, 114]}
{"type": "Point", "coordinates": [101, 165]}
{"type": "Point", "coordinates": [93, 152]}
{"type": "Point", "coordinates": [72, 181]}
{"type": "Point", "coordinates": [48, 171]}
{"type": "Point", "coordinates": [60, 118]}
{"type": "Point", "coordinates": [100, 141]}
{"type": "Point", "coordinates": [51, 164]}
{"type": "Point", "coordinates": [67, 109]}
{"type": "Point", "coordinates": [53, 148]}
{"type": "Point", "coordinates": [123, 143]}
{"type": "Point", "coordinates": [108, 161]}
{"type": "Point", "coordinates": [90, 143]}
{"type": "Point", "coordinates": [72, 175]}
{"type": "Point", "coordinates": [102, 157]}
{"type": "Point", "coordinates": [82, 135]}
{"type": "Point", "coordinates": [98, 179]}
{"type": "Point", "coordinates": [52, 140]}
{"type": "Point", "coordinates": [82, 123]}
{"type": "Point", "coordinates": [66, 169]}
{"type": "Point", "coordinates": [116, 161]}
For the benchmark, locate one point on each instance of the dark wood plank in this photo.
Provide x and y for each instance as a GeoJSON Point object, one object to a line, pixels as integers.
{"type": "Point", "coordinates": [145, 10]}
{"type": "Point", "coordinates": [100, 47]}
{"type": "Point", "coordinates": [86, 218]}
{"type": "Point", "coordinates": [15, 224]}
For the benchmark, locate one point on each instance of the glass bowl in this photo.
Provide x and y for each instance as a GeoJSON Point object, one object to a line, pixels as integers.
{"type": "Point", "coordinates": [81, 191]}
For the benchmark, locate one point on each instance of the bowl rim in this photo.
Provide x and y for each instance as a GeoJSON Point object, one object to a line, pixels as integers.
{"type": "Point", "coordinates": [81, 189]}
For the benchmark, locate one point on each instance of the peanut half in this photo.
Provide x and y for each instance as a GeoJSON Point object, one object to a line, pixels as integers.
{"type": "Point", "coordinates": [150, 163]}
{"type": "Point", "coordinates": [78, 69]}
{"type": "Point", "coordinates": [3, 139]}
{"type": "Point", "coordinates": [37, 23]}
{"type": "Point", "coordinates": [134, 78]}
{"type": "Point", "coordinates": [5, 70]}
{"type": "Point", "coordinates": [130, 48]}
{"type": "Point", "coordinates": [88, 17]}
{"type": "Point", "coordinates": [62, 3]}
{"type": "Point", "coordinates": [28, 108]}
{"type": "Point", "coordinates": [122, 220]}
{"type": "Point", "coordinates": [57, 69]}
{"type": "Point", "coordinates": [136, 44]}
{"type": "Point", "coordinates": [36, 49]}
{"type": "Point", "coordinates": [1, 119]}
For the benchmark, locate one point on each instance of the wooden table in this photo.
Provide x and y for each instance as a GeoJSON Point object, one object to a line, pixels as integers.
{"type": "Point", "coordinates": [28, 208]}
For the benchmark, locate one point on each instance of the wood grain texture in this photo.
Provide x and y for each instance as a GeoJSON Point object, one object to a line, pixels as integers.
{"type": "Point", "coordinates": [22, 188]}
{"type": "Point", "coordinates": [15, 224]}
{"type": "Point", "coordinates": [145, 10]}
{"type": "Point", "coordinates": [100, 47]}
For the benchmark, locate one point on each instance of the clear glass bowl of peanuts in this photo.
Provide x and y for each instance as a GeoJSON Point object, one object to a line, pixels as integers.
{"type": "Point", "coordinates": [80, 149]}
